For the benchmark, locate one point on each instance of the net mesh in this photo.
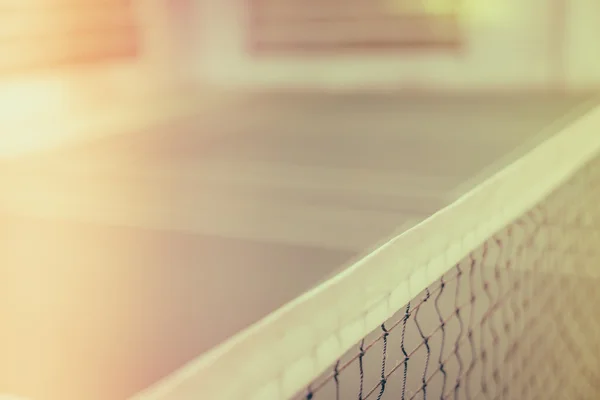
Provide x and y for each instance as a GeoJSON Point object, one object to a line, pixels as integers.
{"type": "Point", "coordinates": [494, 297]}
{"type": "Point", "coordinates": [516, 319]}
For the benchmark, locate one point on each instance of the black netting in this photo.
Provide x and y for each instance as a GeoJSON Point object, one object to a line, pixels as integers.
{"type": "Point", "coordinates": [516, 319]}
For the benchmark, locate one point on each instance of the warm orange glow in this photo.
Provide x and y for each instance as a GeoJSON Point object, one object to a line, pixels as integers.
{"type": "Point", "coordinates": [47, 50]}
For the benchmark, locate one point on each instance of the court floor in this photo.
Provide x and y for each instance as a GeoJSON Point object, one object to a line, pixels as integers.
{"type": "Point", "coordinates": [133, 254]}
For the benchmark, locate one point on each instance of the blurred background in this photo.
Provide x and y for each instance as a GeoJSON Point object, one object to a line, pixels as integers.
{"type": "Point", "coordinates": [173, 170]}
{"type": "Point", "coordinates": [72, 57]}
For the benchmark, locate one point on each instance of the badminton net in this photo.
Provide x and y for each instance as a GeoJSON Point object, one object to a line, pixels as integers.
{"type": "Point", "coordinates": [493, 297]}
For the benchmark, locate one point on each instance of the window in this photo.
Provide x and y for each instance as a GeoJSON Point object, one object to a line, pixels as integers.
{"type": "Point", "coordinates": [338, 25]}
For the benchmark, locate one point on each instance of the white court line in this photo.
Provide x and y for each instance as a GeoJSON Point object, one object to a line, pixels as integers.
{"type": "Point", "coordinates": [38, 136]}
{"type": "Point", "coordinates": [333, 226]}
